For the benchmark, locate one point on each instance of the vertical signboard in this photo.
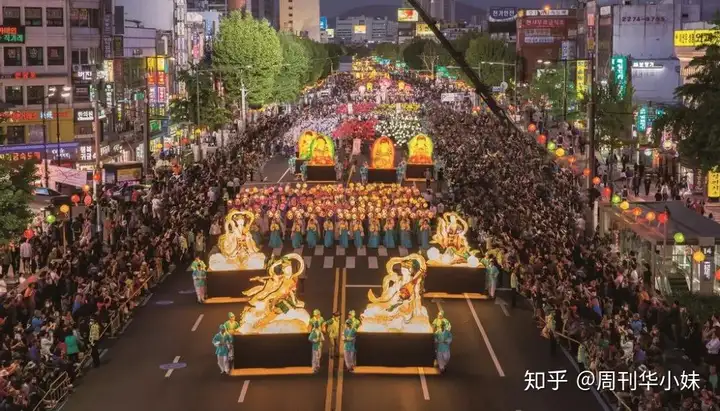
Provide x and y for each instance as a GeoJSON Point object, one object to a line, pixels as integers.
{"type": "Point", "coordinates": [713, 184]}
{"type": "Point", "coordinates": [107, 44]}
{"type": "Point", "coordinates": [580, 73]}
{"type": "Point", "coordinates": [619, 69]}
{"type": "Point", "coordinates": [323, 23]}
{"type": "Point", "coordinates": [707, 266]}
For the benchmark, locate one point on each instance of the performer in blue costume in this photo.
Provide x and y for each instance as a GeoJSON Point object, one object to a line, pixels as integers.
{"type": "Point", "coordinates": [255, 232]}
{"type": "Point", "coordinates": [297, 238]}
{"type": "Point", "coordinates": [221, 342]}
{"type": "Point", "coordinates": [349, 351]}
{"type": "Point", "coordinates": [199, 275]}
{"type": "Point", "coordinates": [389, 237]}
{"type": "Point", "coordinates": [424, 234]}
{"type": "Point", "coordinates": [316, 337]}
{"type": "Point", "coordinates": [358, 232]}
{"type": "Point", "coordinates": [275, 233]}
{"type": "Point", "coordinates": [374, 236]}
{"type": "Point", "coordinates": [344, 234]}
{"type": "Point", "coordinates": [328, 233]}
{"type": "Point", "coordinates": [443, 339]}
{"type": "Point", "coordinates": [311, 235]}
{"type": "Point", "coordinates": [405, 236]}
{"type": "Point", "coordinates": [364, 173]}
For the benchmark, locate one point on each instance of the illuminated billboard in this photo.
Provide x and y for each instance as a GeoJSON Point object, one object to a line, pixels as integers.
{"type": "Point", "coordinates": [423, 30]}
{"type": "Point", "coordinates": [695, 38]}
{"type": "Point", "coordinates": [330, 33]}
{"type": "Point", "coordinates": [360, 29]}
{"type": "Point", "coordinates": [407, 16]}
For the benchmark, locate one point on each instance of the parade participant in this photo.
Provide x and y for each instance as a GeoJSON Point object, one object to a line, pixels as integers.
{"type": "Point", "coordinates": [199, 275]}
{"type": "Point", "coordinates": [222, 349]}
{"type": "Point", "coordinates": [352, 318]}
{"type": "Point", "coordinates": [374, 236]}
{"type": "Point", "coordinates": [329, 233]}
{"type": "Point", "coordinates": [297, 239]}
{"type": "Point", "coordinates": [358, 232]}
{"type": "Point", "coordinates": [231, 326]}
{"type": "Point", "coordinates": [303, 171]}
{"type": "Point", "coordinates": [332, 329]}
{"type": "Point", "coordinates": [400, 172]}
{"type": "Point", "coordinates": [275, 233]}
{"type": "Point", "coordinates": [311, 235]}
{"type": "Point", "coordinates": [317, 320]}
{"type": "Point", "coordinates": [338, 170]}
{"type": "Point", "coordinates": [349, 352]}
{"type": "Point", "coordinates": [291, 164]}
{"type": "Point", "coordinates": [316, 338]}
{"type": "Point", "coordinates": [255, 231]}
{"type": "Point", "coordinates": [424, 234]}
{"type": "Point", "coordinates": [344, 235]}
{"type": "Point", "coordinates": [491, 276]}
{"type": "Point", "coordinates": [389, 237]}
{"type": "Point", "coordinates": [364, 172]}
{"type": "Point", "coordinates": [405, 238]}
{"type": "Point", "coordinates": [443, 339]}
{"type": "Point", "coordinates": [440, 320]}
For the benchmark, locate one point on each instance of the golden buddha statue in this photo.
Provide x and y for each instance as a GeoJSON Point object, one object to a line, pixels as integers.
{"type": "Point", "coordinates": [420, 150]}
{"type": "Point", "coordinates": [238, 250]}
{"type": "Point", "coordinates": [321, 152]}
{"type": "Point", "coordinates": [399, 307]}
{"type": "Point", "coordinates": [451, 236]}
{"type": "Point", "coordinates": [304, 144]}
{"type": "Point", "coordinates": [273, 307]}
{"type": "Point", "coordinates": [383, 155]}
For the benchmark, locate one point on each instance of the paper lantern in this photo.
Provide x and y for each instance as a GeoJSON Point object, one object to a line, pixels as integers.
{"type": "Point", "coordinates": [606, 192]}
{"type": "Point", "coordinates": [679, 238]}
{"type": "Point", "coordinates": [560, 152]}
{"type": "Point", "coordinates": [551, 146]}
{"type": "Point", "coordinates": [616, 199]}
{"type": "Point", "coordinates": [624, 205]}
{"type": "Point", "coordinates": [637, 211]}
{"type": "Point", "coordinates": [28, 234]}
{"type": "Point", "coordinates": [473, 261]}
{"type": "Point", "coordinates": [541, 139]}
{"type": "Point", "coordinates": [596, 180]}
{"type": "Point", "coordinates": [532, 127]}
{"type": "Point", "coordinates": [86, 188]}
{"type": "Point", "coordinates": [64, 208]}
{"type": "Point", "coordinates": [717, 275]}
{"type": "Point", "coordinates": [586, 173]}
{"type": "Point", "coordinates": [650, 216]}
{"type": "Point", "coordinates": [698, 256]}
{"type": "Point", "coordinates": [50, 219]}
{"type": "Point", "coordinates": [75, 198]}
{"type": "Point", "coordinates": [572, 160]}
{"type": "Point", "coordinates": [87, 201]}
{"type": "Point", "coordinates": [662, 218]}
{"type": "Point", "coordinates": [96, 177]}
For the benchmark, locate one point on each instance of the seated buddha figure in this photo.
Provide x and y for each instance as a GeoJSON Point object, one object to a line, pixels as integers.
{"type": "Point", "coordinates": [321, 153]}
{"type": "Point", "coordinates": [383, 154]}
{"type": "Point", "coordinates": [421, 150]}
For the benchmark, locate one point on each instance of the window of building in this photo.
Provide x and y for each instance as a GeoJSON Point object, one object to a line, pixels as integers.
{"type": "Point", "coordinates": [54, 17]}
{"type": "Point", "coordinates": [33, 16]}
{"type": "Point", "coordinates": [85, 18]}
{"type": "Point", "coordinates": [35, 56]}
{"type": "Point", "coordinates": [11, 16]}
{"type": "Point", "coordinates": [15, 134]}
{"type": "Point", "coordinates": [56, 56]}
{"type": "Point", "coordinates": [35, 94]}
{"type": "Point", "coordinates": [12, 56]}
{"type": "Point", "coordinates": [14, 95]}
{"type": "Point", "coordinates": [80, 56]}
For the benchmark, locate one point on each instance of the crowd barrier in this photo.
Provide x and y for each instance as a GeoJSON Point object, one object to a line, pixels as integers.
{"type": "Point", "coordinates": [62, 386]}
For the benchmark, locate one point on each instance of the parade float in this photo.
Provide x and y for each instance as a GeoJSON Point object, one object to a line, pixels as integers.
{"type": "Point", "coordinates": [382, 162]}
{"type": "Point", "coordinates": [395, 331]}
{"type": "Point", "coordinates": [236, 259]}
{"type": "Point", "coordinates": [420, 157]}
{"type": "Point", "coordinates": [274, 327]}
{"type": "Point", "coordinates": [321, 164]}
{"type": "Point", "coordinates": [304, 144]}
{"type": "Point", "coordinates": [454, 268]}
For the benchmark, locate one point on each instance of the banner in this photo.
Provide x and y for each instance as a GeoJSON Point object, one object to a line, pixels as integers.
{"type": "Point", "coordinates": [422, 29]}
{"type": "Point", "coordinates": [696, 38]}
{"type": "Point", "coordinates": [360, 29]}
{"type": "Point", "coordinates": [580, 84]}
{"type": "Point", "coordinates": [502, 14]}
{"type": "Point", "coordinates": [356, 146]}
{"type": "Point", "coordinates": [619, 68]}
{"type": "Point", "coordinates": [407, 16]}
{"type": "Point", "coordinates": [713, 189]}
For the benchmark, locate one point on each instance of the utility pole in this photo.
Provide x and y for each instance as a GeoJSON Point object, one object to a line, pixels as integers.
{"type": "Point", "coordinates": [243, 95]}
{"type": "Point", "coordinates": [146, 127]}
{"type": "Point", "coordinates": [197, 96]}
{"type": "Point", "coordinates": [565, 79]}
{"type": "Point", "coordinates": [96, 135]}
{"type": "Point", "coordinates": [591, 118]}
{"type": "Point", "coordinates": [45, 153]}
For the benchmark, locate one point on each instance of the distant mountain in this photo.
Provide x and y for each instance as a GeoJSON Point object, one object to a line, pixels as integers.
{"type": "Point", "coordinates": [462, 11]}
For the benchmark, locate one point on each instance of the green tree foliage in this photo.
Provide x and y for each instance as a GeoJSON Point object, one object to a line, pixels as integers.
{"type": "Point", "coordinates": [16, 181]}
{"type": "Point", "coordinates": [613, 114]}
{"type": "Point", "coordinates": [295, 69]}
{"type": "Point", "coordinates": [249, 51]}
{"type": "Point", "coordinates": [482, 51]}
{"type": "Point", "coordinates": [546, 92]}
{"type": "Point", "coordinates": [695, 122]}
{"type": "Point", "coordinates": [200, 90]}
{"type": "Point", "coordinates": [319, 61]}
{"type": "Point", "coordinates": [423, 54]}
{"type": "Point", "coordinates": [462, 43]}
{"type": "Point", "coordinates": [387, 51]}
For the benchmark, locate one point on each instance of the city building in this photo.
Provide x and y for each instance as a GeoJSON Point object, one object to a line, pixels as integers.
{"type": "Point", "coordinates": [300, 17]}
{"type": "Point", "coordinates": [543, 35]}
{"type": "Point", "coordinates": [449, 11]}
{"type": "Point", "coordinates": [218, 6]}
{"type": "Point", "coordinates": [687, 40]}
{"type": "Point", "coordinates": [365, 30]}
{"type": "Point", "coordinates": [501, 23]}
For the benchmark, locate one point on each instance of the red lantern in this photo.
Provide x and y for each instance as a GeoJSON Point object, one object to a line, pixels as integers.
{"type": "Point", "coordinates": [75, 199]}
{"type": "Point", "coordinates": [572, 160]}
{"type": "Point", "coordinates": [586, 172]}
{"type": "Point", "coordinates": [185, 141]}
{"type": "Point", "coordinates": [541, 139]}
{"type": "Point", "coordinates": [28, 234]}
{"type": "Point", "coordinates": [87, 201]}
{"type": "Point", "coordinates": [606, 191]}
{"type": "Point", "coordinates": [96, 177]}
{"type": "Point", "coordinates": [532, 127]}
{"type": "Point", "coordinates": [662, 218]}
{"type": "Point", "coordinates": [86, 188]}
{"type": "Point", "coordinates": [596, 180]}
{"type": "Point", "coordinates": [717, 275]}
{"type": "Point", "coordinates": [637, 211]}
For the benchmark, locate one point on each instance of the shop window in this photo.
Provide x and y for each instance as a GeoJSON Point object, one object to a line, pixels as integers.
{"type": "Point", "coordinates": [33, 16]}
{"type": "Point", "coordinates": [56, 56]}
{"type": "Point", "coordinates": [54, 17]}
{"type": "Point", "coordinates": [35, 94]}
{"type": "Point", "coordinates": [12, 56]}
{"type": "Point", "coordinates": [35, 56]}
{"type": "Point", "coordinates": [15, 134]}
{"type": "Point", "coordinates": [11, 16]}
{"type": "Point", "coordinates": [14, 95]}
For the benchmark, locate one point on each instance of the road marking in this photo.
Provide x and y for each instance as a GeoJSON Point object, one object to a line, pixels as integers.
{"type": "Point", "coordinates": [503, 305]}
{"type": "Point", "coordinates": [339, 250]}
{"type": "Point", "coordinates": [328, 263]}
{"type": "Point", "coordinates": [439, 306]}
{"type": "Point", "coordinates": [362, 251]}
{"type": "Point", "coordinates": [170, 371]}
{"type": "Point", "coordinates": [372, 262]}
{"type": "Point", "coordinates": [350, 262]}
{"type": "Point", "coordinates": [480, 327]}
{"type": "Point", "coordinates": [103, 352]}
{"type": "Point", "coordinates": [197, 323]}
{"type": "Point", "coordinates": [276, 251]}
{"type": "Point", "coordinates": [423, 384]}
{"type": "Point", "coordinates": [308, 261]}
{"type": "Point", "coordinates": [298, 250]}
{"type": "Point", "coordinates": [331, 361]}
{"type": "Point", "coordinates": [341, 369]}
{"type": "Point", "coordinates": [319, 250]}
{"type": "Point", "coordinates": [243, 391]}
{"type": "Point", "coordinates": [403, 251]}
{"type": "Point", "coordinates": [362, 286]}
{"type": "Point", "coordinates": [382, 251]}
{"type": "Point", "coordinates": [577, 369]}
{"type": "Point", "coordinates": [284, 174]}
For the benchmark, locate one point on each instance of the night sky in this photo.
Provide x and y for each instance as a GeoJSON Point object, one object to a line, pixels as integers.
{"type": "Point", "coordinates": [335, 7]}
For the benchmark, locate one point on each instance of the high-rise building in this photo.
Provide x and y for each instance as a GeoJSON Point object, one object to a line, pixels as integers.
{"type": "Point", "coordinates": [443, 10]}
{"type": "Point", "coordinates": [263, 9]}
{"type": "Point", "coordinates": [449, 10]}
{"type": "Point", "coordinates": [301, 17]}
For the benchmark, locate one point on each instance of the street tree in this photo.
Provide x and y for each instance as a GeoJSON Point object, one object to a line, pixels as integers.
{"type": "Point", "coordinates": [201, 93]}
{"type": "Point", "coordinates": [319, 61]}
{"type": "Point", "coordinates": [247, 52]}
{"type": "Point", "coordinates": [294, 72]}
{"type": "Point", "coordinates": [16, 182]}
{"type": "Point", "coordinates": [485, 55]}
{"type": "Point", "coordinates": [613, 114]}
{"type": "Point", "coordinates": [387, 51]}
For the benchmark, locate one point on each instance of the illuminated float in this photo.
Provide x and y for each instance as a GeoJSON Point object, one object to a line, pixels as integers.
{"type": "Point", "coordinates": [395, 331]}
{"type": "Point", "coordinates": [420, 157]}
{"type": "Point", "coordinates": [454, 267]}
{"type": "Point", "coordinates": [321, 165]}
{"type": "Point", "coordinates": [382, 162]}
{"type": "Point", "coordinates": [274, 327]}
{"type": "Point", "coordinates": [303, 148]}
{"type": "Point", "coordinates": [236, 260]}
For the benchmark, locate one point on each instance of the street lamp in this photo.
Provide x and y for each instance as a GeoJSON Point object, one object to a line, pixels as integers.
{"type": "Point", "coordinates": [55, 94]}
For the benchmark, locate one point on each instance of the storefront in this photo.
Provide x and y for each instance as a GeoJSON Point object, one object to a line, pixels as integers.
{"type": "Point", "coordinates": [20, 152]}
{"type": "Point", "coordinates": [118, 152]}
{"type": "Point", "coordinates": [123, 173]}
{"type": "Point", "coordinates": [26, 126]}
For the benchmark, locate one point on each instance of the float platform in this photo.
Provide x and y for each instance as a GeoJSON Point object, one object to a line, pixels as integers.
{"type": "Point", "coordinates": [228, 286]}
{"type": "Point", "coordinates": [271, 354]}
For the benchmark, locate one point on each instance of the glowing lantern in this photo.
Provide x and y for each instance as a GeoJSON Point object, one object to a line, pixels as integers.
{"type": "Point", "coordinates": [596, 181]}
{"type": "Point", "coordinates": [75, 198]}
{"type": "Point", "coordinates": [28, 233]}
{"type": "Point", "coordinates": [158, 146]}
{"type": "Point", "coordinates": [473, 261]}
{"type": "Point", "coordinates": [624, 205]}
{"type": "Point", "coordinates": [679, 238]}
{"type": "Point", "coordinates": [606, 192]}
{"type": "Point", "coordinates": [667, 145]}
{"type": "Point", "coordinates": [551, 146]}
{"type": "Point", "coordinates": [637, 211]}
{"type": "Point", "coordinates": [86, 188]}
{"type": "Point", "coordinates": [717, 275]}
{"type": "Point", "coordinates": [64, 208]}
{"type": "Point", "coordinates": [662, 218]}
{"type": "Point", "coordinates": [572, 160]}
{"type": "Point", "coordinates": [586, 173]}
{"type": "Point", "coordinates": [532, 127]}
{"type": "Point", "coordinates": [560, 152]}
{"type": "Point", "coordinates": [698, 256]}
{"type": "Point", "coordinates": [87, 201]}
{"type": "Point", "coordinates": [616, 199]}
{"type": "Point", "coordinates": [541, 139]}
{"type": "Point", "coordinates": [96, 177]}
{"type": "Point", "coordinates": [50, 219]}
{"type": "Point", "coordinates": [650, 216]}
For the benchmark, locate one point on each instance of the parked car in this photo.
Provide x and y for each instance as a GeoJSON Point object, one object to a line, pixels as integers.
{"type": "Point", "coordinates": [48, 197]}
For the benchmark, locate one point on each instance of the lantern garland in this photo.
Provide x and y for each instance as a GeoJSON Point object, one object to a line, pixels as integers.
{"type": "Point", "coordinates": [400, 127]}
{"type": "Point", "coordinates": [324, 126]}
{"type": "Point", "coordinates": [357, 108]}
{"type": "Point", "coordinates": [392, 108]}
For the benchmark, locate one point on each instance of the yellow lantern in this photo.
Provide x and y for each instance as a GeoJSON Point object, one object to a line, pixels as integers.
{"type": "Point", "coordinates": [698, 256]}
{"type": "Point", "coordinates": [64, 208]}
{"type": "Point", "coordinates": [624, 205]}
{"type": "Point", "coordinates": [560, 152]}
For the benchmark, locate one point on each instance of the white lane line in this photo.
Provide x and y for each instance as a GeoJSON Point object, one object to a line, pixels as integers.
{"type": "Point", "coordinates": [298, 250]}
{"type": "Point", "coordinates": [485, 337]}
{"type": "Point", "coordinates": [372, 262]}
{"type": "Point", "coordinates": [382, 251]}
{"type": "Point", "coordinates": [243, 392]}
{"type": "Point", "coordinates": [350, 262]}
{"type": "Point", "coordinates": [362, 251]}
{"type": "Point", "coordinates": [284, 174]}
{"type": "Point", "coordinates": [362, 286]}
{"type": "Point", "coordinates": [103, 352]}
{"type": "Point", "coordinates": [197, 323]}
{"type": "Point", "coordinates": [308, 261]}
{"type": "Point", "coordinates": [276, 251]}
{"type": "Point", "coordinates": [319, 250]}
{"type": "Point", "coordinates": [572, 361]}
{"type": "Point", "coordinates": [328, 262]}
{"type": "Point", "coordinates": [423, 384]}
{"type": "Point", "coordinates": [339, 250]}
{"type": "Point", "coordinates": [403, 251]}
{"type": "Point", "coordinates": [170, 371]}
{"type": "Point", "coordinates": [505, 310]}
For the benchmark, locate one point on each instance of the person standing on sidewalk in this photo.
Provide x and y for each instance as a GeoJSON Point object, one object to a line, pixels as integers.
{"type": "Point", "coordinates": [94, 340]}
{"type": "Point", "coordinates": [514, 286]}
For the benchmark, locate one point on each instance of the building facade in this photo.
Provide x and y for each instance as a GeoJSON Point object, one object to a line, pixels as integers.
{"type": "Point", "coordinates": [543, 35]}
{"type": "Point", "coordinates": [300, 17]}
{"type": "Point", "coordinates": [363, 29]}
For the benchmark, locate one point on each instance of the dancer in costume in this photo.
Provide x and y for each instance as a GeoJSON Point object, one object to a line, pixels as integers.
{"type": "Point", "coordinates": [328, 233]}
{"type": "Point", "coordinates": [297, 240]}
{"type": "Point", "coordinates": [441, 321]}
{"type": "Point", "coordinates": [491, 275]}
{"type": "Point", "coordinates": [353, 319]}
{"type": "Point", "coordinates": [405, 236]}
{"type": "Point", "coordinates": [199, 275]}
{"type": "Point", "coordinates": [291, 164]}
{"type": "Point", "coordinates": [443, 339]}
{"type": "Point", "coordinates": [231, 326]}
{"type": "Point", "coordinates": [349, 334]}
{"type": "Point", "coordinates": [255, 232]}
{"type": "Point", "coordinates": [317, 320]}
{"type": "Point", "coordinates": [222, 349]}
{"type": "Point", "coordinates": [364, 172]}
{"type": "Point", "coordinates": [400, 172]}
{"type": "Point", "coordinates": [275, 233]}
{"type": "Point", "coordinates": [374, 236]}
{"type": "Point", "coordinates": [311, 235]}
{"type": "Point", "coordinates": [389, 237]}
{"type": "Point", "coordinates": [344, 235]}
{"type": "Point", "coordinates": [332, 329]}
{"type": "Point", "coordinates": [358, 232]}
{"type": "Point", "coordinates": [316, 338]}
{"type": "Point", "coordinates": [424, 234]}
{"type": "Point", "coordinates": [303, 171]}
